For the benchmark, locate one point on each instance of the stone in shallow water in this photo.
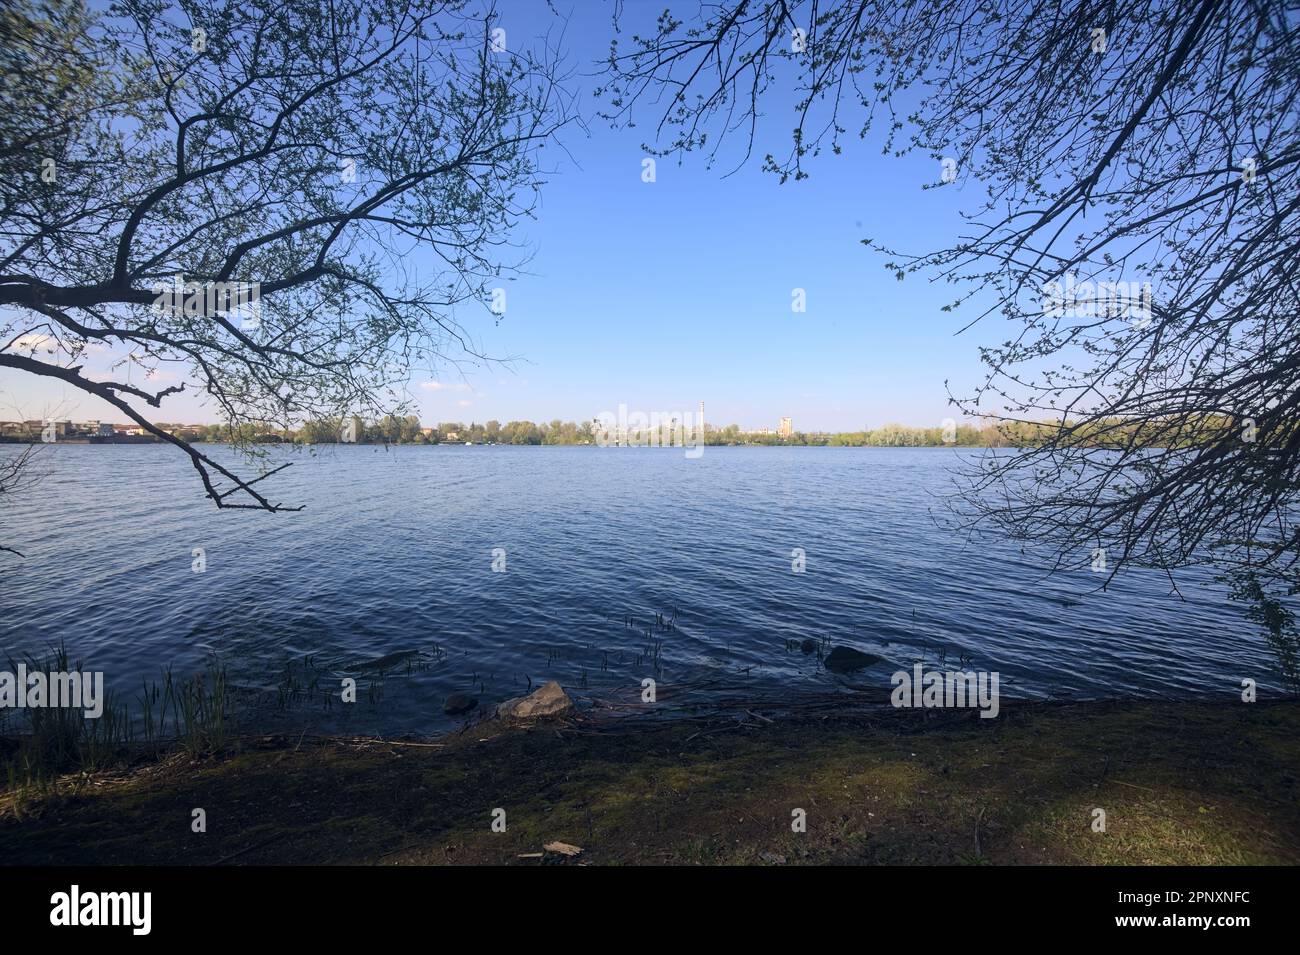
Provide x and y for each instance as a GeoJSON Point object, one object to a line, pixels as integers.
{"type": "Point", "coordinates": [459, 703]}
{"type": "Point", "coordinates": [808, 646]}
{"type": "Point", "coordinates": [387, 661]}
{"type": "Point", "coordinates": [547, 700]}
{"type": "Point", "coordinates": [846, 659]}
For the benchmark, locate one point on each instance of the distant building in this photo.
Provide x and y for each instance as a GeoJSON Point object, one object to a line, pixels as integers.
{"type": "Point", "coordinates": [37, 428]}
{"type": "Point", "coordinates": [353, 430]}
{"type": "Point", "coordinates": [20, 430]}
{"type": "Point", "coordinates": [787, 427]}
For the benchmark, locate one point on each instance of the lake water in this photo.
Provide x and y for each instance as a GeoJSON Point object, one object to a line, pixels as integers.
{"type": "Point", "coordinates": [395, 549]}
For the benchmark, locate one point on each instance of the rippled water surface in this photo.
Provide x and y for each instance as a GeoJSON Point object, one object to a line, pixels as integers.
{"type": "Point", "coordinates": [394, 552]}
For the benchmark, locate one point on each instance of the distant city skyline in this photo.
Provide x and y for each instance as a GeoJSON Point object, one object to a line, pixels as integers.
{"type": "Point", "coordinates": [67, 424]}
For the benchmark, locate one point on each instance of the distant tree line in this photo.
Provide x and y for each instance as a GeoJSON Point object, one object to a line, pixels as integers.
{"type": "Point", "coordinates": [990, 434]}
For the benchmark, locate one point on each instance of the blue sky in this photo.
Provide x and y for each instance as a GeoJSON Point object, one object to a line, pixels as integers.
{"type": "Point", "coordinates": [660, 295]}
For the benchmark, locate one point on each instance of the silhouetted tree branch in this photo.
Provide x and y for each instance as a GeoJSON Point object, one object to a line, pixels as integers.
{"type": "Point", "coordinates": [354, 165]}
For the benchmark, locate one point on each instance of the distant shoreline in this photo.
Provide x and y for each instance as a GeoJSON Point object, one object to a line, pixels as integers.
{"type": "Point", "coordinates": [149, 439]}
{"type": "Point", "coordinates": [409, 430]}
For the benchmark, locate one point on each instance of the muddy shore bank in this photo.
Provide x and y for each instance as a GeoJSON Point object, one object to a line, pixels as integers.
{"type": "Point", "coordinates": [1179, 782]}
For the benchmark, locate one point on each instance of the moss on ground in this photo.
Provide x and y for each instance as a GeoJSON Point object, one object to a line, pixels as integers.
{"type": "Point", "coordinates": [1181, 783]}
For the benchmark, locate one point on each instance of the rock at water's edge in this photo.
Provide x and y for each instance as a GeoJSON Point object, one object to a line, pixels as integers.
{"type": "Point", "coordinates": [459, 703]}
{"type": "Point", "coordinates": [845, 659]}
{"type": "Point", "coordinates": [547, 700]}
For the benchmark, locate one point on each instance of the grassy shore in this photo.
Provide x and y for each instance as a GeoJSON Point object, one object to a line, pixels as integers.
{"type": "Point", "coordinates": [1184, 783]}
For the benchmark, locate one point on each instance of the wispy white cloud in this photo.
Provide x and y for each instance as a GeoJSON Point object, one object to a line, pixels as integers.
{"type": "Point", "coordinates": [32, 340]}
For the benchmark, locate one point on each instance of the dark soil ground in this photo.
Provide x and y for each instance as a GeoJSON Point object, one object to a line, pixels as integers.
{"type": "Point", "coordinates": [1180, 783]}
